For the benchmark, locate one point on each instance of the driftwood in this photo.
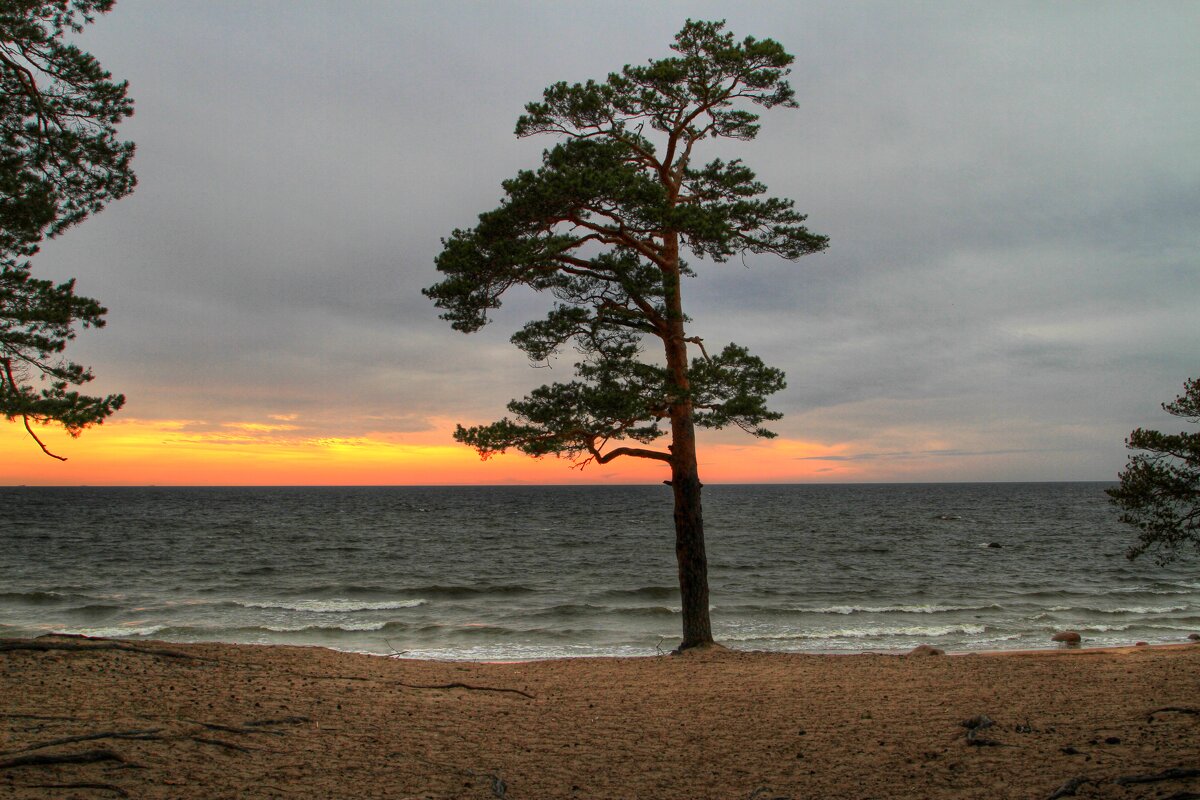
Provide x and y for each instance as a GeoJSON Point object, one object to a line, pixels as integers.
{"type": "Point", "coordinates": [44, 759]}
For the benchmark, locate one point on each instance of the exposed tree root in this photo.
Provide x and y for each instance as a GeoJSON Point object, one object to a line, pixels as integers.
{"type": "Point", "coordinates": [457, 685]}
{"type": "Point", "coordinates": [221, 743]}
{"type": "Point", "coordinates": [146, 733]}
{"type": "Point", "coordinates": [45, 759]}
{"type": "Point", "coordinates": [49, 717]}
{"type": "Point", "coordinates": [213, 726]}
{"type": "Point", "coordinates": [1174, 774]}
{"type": "Point", "coordinates": [107, 787]}
{"type": "Point", "coordinates": [1175, 709]}
{"type": "Point", "coordinates": [258, 723]}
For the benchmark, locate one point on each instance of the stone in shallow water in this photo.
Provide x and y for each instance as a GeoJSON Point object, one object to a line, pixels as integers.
{"type": "Point", "coordinates": [1067, 637]}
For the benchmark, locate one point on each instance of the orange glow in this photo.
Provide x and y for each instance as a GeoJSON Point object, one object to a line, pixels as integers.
{"type": "Point", "coordinates": [133, 452]}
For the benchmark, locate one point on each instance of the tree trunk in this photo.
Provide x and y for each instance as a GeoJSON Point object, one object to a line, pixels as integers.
{"type": "Point", "coordinates": [689, 535]}
{"type": "Point", "coordinates": [685, 475]}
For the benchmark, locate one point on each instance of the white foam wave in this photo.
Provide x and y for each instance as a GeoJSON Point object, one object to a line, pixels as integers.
{"type": "Point", "coordinates": [1122, 610]}
{"type": "Point", "coordinates": [336, 605]}
{"type": "Point", "coordinates": [347, 626]}
{"type": "Point", "coordinates": [115, 632]}
{"type": "Point", "coordinates": [921, 609]}
{"type": "Point", "coordinates": [1104, 628]}
{"type": "Point", "coordinates": [863, 633]}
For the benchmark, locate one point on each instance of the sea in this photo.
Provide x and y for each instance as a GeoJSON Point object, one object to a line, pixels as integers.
{"type": "Point", "coordinates": [533, 572]}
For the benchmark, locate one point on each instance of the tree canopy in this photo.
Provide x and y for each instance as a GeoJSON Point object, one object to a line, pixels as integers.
{"type": "Point", "coordinates": [60, 161]}
{"type": "Point", "coordinates": [603, 225]}
{"type": "Point", "coordinates": [1160, 487]}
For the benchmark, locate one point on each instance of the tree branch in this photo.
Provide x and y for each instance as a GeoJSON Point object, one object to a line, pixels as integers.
{"type": "Point", "coordinates": [25, 417]}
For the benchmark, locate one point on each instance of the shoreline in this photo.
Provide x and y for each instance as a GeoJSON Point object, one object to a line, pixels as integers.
{"type": "Point", "coordinates": [258, 721]}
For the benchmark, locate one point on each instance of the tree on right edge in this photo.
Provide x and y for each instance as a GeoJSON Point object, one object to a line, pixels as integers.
{"type": "Point", "coordinates": [603, 225]}
{"type": "Point", "coordinates": [1160, 488]}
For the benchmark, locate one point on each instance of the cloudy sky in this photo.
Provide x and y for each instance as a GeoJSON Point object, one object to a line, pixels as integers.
{"type": "Point", "coordinates": [1011, 191]}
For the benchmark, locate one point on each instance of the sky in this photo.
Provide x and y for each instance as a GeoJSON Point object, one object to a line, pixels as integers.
{"type": "Point", "coordinates": [1011, 192]}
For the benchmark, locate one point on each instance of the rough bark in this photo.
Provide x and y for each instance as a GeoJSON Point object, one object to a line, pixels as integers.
{"type": "Point", "coordinates": [689, 539]}
{"type": "Point", "coordinates": [685, 474]}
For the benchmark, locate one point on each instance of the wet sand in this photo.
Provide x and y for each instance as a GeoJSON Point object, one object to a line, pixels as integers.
{"type": "Point", "coordinates": [158, 720]}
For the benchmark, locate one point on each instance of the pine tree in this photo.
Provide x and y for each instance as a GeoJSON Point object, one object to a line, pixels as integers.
{"type": "Point", "coordinates": [60, 161]}
{"type": "Point", "coordinates": [1160, 487]}
{"type": "Point", "coordinates": [603, 226]}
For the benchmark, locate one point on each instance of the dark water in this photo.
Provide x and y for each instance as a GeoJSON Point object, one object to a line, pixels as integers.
{"type": "Point", "coordinates": [530, 572]}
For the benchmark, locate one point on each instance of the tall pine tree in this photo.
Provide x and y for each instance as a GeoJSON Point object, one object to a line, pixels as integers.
{"type": "Point", "coordinates": [603, 226]}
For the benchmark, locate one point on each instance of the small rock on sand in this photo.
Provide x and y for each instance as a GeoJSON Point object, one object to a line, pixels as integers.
{"type": "Point", "coordinates": [926, 650]}
{"type": "Point", "coordinates": [1141, 644]}
{"type": "Point", "coordinates": [1067, 637]}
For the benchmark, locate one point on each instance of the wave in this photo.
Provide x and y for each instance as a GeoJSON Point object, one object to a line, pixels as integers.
{"type": "Point", "coordinates": [651, 592]}
{"type": "Point", "coordinates": [345, 626]}
{"type": "Point", "coordinates": [430, 590]}
{"type": "Point", "coordinates": [335, 605]}
{"type": "Point", "coordinates": [930, 631]}
{"type": "Point", "coordinates": [113, 632]}
{"type": "Point", "coordinates": [1128, 610]}
{"type": "Point", "coordinates": [588, 609]}
{"type": "Point", "coordinates": [38, 598]}
{"type": "Point", "coordinates": [910, 609]}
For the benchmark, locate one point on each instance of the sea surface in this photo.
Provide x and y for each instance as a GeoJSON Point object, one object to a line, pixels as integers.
{"type": "Point", "coordinates": [536, 572]}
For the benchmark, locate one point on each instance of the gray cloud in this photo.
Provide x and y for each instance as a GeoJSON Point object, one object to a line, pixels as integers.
{"type": "Point", "coordinates": [1011, 191]}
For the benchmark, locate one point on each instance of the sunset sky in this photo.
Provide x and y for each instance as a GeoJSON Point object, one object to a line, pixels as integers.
{"type": "Point", "coordinates": [1011, 190]}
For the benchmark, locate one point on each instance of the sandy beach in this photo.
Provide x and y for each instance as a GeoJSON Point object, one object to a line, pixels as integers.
{"type": "Point", "coordinates": [157, 720]}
